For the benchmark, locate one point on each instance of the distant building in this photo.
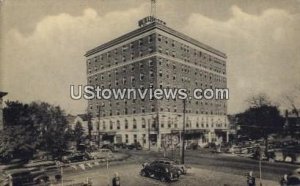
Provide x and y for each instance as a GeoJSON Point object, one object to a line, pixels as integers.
{"type": "Point", "coordinates": [2, 94]}
{"type": "Point", "coordinates": [80, 118]}
{"type": "Point", "coordinates": [156, 56]}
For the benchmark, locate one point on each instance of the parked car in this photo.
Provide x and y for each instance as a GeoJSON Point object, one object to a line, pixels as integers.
{"type": "Point", "coordinates": [294, 178]}
{"type": "Point", "coordinates": [182, 169]}
{"type": "Point", "coordinates": [100, 154]}
{"type": "Point", "coordinates": [75, 157]}
{"type": "Point", "coordinates": [50, 167]}
{"type": "Point", "coordinates": [163, 172]}
{"type": "Point", "coordinates": [111, 147]}
{"type": "Point", "coordinates": [121, 145]}
{"type": "Point", "coordinates": [24, 176]}
{"type": "Point", "coordinates": [136, 146]}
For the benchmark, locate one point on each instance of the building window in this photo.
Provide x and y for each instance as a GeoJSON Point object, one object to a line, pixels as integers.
{"type": "Point", "coordinates": [140, 42]}
{"type": "Point", "coordinates": [134, 124]}
{"type": "Point", "coordinates": [126, 138]}
{"type": "Point", "coordinates": [118, 125]}
{"type": "Point", "coordinates": [132, 80]}
{"type": "Point", "coordinates": [151, 74]}
{"type": "Point", "coordinates": [142, 77]}
{"type": "Point", "coordinates": [169, 123]}
{"type": "Point", "coordinates": [141, 65]}
{"type": "Point", "coordinates": [126, 124]}
{"type": "Point", "coordinates": [151, 64]}
{"type": "Point", "coordinates": [167, 52]}
{"type": "Point", "coordinates": [135, 138]}
{"type": "Point", "coordinates": [110, 125]}
{"type": "Point", "coordinates": [152, 108]}
{"type": "Point", "coordinates": [159, 37]}
{"type": "Point", "coordinates": [173, 54]}
{"type": "Point", "coordinates": [104, 125]}
{"type": "Point", "coordinates": [143, 123]}
{"type": "Point", "coordinates": [150, 39]}
{"type": "Point", "coordinates": [159, 49]}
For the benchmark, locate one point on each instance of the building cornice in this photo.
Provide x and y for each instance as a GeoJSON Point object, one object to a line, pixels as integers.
{"type": "Point", "coordinates": [147, 28]}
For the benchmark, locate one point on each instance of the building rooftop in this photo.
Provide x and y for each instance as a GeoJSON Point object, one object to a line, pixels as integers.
{"type": "Point", "coordinates": [148, 27]}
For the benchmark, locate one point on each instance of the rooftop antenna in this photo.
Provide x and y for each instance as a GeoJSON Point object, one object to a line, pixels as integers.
{"type": "Point", "coordinates": [153, 8]}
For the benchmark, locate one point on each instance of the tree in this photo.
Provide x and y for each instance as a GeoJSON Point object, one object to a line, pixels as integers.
{"type": "Point", "coordinates": [259, 122]}
{"type": "Point", "coordinates": [78, 133]}
{"type": "Point", "coordinates": [261, 119]}
{"type": "Point", "coordinates": [33, 126]}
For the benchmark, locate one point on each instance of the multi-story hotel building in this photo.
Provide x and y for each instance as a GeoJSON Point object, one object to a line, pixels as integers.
{"type": "Point", "coordinates": [156, 56]}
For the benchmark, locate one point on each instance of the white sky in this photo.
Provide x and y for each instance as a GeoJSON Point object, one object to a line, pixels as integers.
{"type": "Point", "coordinates": [43, 42]}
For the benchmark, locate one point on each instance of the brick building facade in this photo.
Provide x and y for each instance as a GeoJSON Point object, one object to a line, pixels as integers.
{"type": "Point", "coordinates": [156, 56]}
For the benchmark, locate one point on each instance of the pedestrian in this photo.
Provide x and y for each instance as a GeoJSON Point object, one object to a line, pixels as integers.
{"type": "Point", "coordinates": [116, 180]}
{"type": "Point", "coordinates": [250, 179]}
{"type": "Point", "coordinates": [284, 180]}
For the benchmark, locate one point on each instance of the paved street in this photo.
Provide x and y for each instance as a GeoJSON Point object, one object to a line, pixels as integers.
{"type": "Point", "coordinates": [129, 174]}
{"type": "Point", "coordinates": [207, 169]}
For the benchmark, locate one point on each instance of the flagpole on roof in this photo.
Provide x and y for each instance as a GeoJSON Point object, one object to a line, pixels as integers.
{"type": "Point", "coordinates": [153, 8]}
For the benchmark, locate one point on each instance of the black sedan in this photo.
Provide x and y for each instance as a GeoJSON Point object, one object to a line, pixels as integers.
{"type": "Point", "coordinates": [164, 173]}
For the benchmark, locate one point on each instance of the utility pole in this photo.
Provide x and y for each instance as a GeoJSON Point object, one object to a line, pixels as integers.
{"type": "Point", "coordinates": [149, 134]}
{"type": "Point", "coordinates": [183, 133]}
{"type": "Point", "coordinates": [260, 158]}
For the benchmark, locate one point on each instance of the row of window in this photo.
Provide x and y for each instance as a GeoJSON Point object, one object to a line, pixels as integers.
{"type": "Point", "coordinates": [136, 49]}
{"type": "Point", "coordinates": [187, 51]}
{"type": "Point", "coordinates": [126, 111]}
{"type": "Point", "coordinates": [169, 124]}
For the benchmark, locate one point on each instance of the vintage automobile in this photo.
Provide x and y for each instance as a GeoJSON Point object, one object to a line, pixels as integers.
{"type": "Point", "coordinates": [100, 154]}
{"type": "Point", "coordinates": [294, 178]}
{"type": "Point", "coordinates": [50, 167]}
{"type": "Point", "coordinates": [24, 176]}
{"type": "Point", "coordinates": [163, 172]}
{"type": "Point", "coordinates": [74, 157]}
{"type": "Point", "coordinates": [135, 146]}
{"type": "Point", "coordinates": [182, 169]}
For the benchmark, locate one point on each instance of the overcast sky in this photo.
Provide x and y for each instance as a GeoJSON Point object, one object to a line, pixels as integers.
{"type": "Point", "coordinates": [43, 42]}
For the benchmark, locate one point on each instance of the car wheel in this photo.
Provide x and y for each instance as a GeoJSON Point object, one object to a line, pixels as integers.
{"type": "Point", "coordinates": [163, 179]}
